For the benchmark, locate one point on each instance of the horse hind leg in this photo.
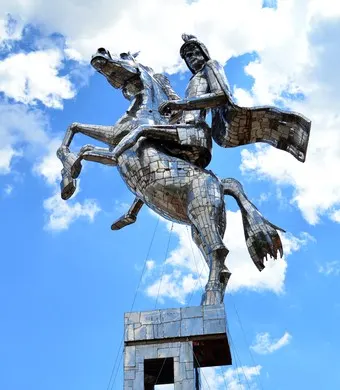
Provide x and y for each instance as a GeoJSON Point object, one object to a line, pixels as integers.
{"type": "Point", "coordinates": [206, 212]}
{"type": "Point", "coordinates": [218, 276]}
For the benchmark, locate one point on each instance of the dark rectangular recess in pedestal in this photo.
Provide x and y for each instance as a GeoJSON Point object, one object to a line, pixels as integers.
{"type": "Point", "coordinates": [212, 352]}
{"type": "Point", "coordinates": [158, 372]}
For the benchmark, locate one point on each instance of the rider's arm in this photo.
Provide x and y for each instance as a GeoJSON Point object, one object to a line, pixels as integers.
{"type": "Point", "coordinates": [218, 96]}
{"type": "Point", "coordinates": [207, 100]}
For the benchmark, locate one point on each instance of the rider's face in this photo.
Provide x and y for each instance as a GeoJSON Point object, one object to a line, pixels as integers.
{"type": "Point", "coordinates": [194, 58]}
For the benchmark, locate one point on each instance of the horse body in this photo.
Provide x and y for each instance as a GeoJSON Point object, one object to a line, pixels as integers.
{"type": "Point", "coordinates": [173, 187]}
{"type": "Point", "coordinates": [163, 182]}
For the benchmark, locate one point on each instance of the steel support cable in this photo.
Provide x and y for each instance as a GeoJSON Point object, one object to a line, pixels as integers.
{"type": "Point", "coordinates": [196, 266]}
{"type": "Point", "coordinates": [205, 265]}
{"type": "Point", "coordinates": [199, 280]}
{"type": "Point", "coordinates": [223, 376]}
{"type": "Point", "coordinates": [198, 364]}
{"type": "Point", "coordinates": [163, 265]}
{"type": "Point", "coordinates": [120, 351]}
{"type": "Point", "coordinates": [160, 372]}
{"type": "Point", "coordinates": [237, 358]}
{"type": "Point", "coordinates": [159, 288]}
{"type": "Point", "coordinates": [246, 341]}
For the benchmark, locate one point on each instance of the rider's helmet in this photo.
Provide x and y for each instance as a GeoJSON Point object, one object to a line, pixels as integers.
{"type": "Point", "coordinates": [192, 40]}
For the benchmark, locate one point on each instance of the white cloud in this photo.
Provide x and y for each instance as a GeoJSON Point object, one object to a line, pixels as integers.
{"type": "Point", "coordinates": [6, 155]}
{"type": "Point", "coordinates": [174, 285]}
{"type": "Point", "coordinates": [281, 70]}
{"type": "Point", "coordinates": [32, 77]}
{"type": "Point", "coordinates": [8, 190]}
{"type": "Point", "coordinates": [335, 215]}
{"type": "Point", "coordinates": [62, 214]}
{"type": "Point", "coordinates": [148, 25]}
{"type": "Point", "coordinates": [330, 268]}
{"type": "Point", "coordinates": [150, 265]}
{"type": "Point", "coordinates": [24, 133]}
{"type": "Point", "coordinates": [308, 68]}
{"type": "Point", "coordinates": [49, 166]}
{"type": "Point", "coordinates": [264, 344]}
{"type": "Point", "coordinates": [239, 378]}
{"type": "Point", "coordinates": [185, 271]}
{"type": "Point", "coordinates": [10, 30]}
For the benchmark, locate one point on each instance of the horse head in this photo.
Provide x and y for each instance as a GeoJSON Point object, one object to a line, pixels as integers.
{"type": "Point", "coordinates": [126, 73]}
{"type": "Point", "coordinates": [121, 71]}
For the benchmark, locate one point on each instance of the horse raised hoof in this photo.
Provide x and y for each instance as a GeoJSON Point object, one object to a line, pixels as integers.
{"type": "Point", "coordinates": [76, 169]}
{"type": "Point", "coordinates": [67, 185]}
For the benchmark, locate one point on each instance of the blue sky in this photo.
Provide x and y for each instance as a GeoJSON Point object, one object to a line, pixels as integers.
{"type": "Point", "coordinates": [66, 279]}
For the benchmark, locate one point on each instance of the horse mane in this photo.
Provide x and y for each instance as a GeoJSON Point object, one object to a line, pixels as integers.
{"type": "Point", "coordinates": [165, 83]}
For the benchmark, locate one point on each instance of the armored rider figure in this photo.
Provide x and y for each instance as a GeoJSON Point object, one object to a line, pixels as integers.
{"type": "Point", "coordinates": [233, 125]}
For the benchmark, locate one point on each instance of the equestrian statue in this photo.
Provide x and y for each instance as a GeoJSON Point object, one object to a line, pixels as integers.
{"type": "Point", "coordinates": [162, 146]}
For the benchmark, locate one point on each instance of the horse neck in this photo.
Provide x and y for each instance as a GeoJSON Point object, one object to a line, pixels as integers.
{"type": "Point", "coordinates": [147, 101]}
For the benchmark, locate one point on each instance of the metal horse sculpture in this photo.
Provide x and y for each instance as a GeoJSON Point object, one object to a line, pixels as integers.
{"type": "Point", "coordinates": [167, 176]}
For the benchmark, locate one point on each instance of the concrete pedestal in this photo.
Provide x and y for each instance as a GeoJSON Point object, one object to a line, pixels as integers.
{"type": "Point", "coordinates": [167, 346]}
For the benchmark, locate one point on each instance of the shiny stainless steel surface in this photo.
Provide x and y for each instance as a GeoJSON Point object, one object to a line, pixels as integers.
{"type": "Point", "coordinates": [162, 145]}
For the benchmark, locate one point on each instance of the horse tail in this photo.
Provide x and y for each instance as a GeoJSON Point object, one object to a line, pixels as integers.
{"type": "Point", "coordinates": [261, 236]}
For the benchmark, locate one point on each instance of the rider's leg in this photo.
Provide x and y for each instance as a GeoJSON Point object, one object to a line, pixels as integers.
{"type": "Point", "coordinates": [157, 132]}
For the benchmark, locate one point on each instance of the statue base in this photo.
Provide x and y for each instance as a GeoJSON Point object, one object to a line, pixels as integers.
{"type": "Point", "coordinates": [168, 346]}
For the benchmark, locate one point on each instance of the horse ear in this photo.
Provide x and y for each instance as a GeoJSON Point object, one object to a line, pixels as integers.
{"type": "Point", "coordinates": [134, 55]}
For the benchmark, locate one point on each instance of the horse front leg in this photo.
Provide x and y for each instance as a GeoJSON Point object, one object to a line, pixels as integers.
{"type": "Point", "coordinates": [67, 184]}
{"type": "Point", "coordinates": [100, 155]}
{"type": "Point", "coordinates": [101, 133]}
{"type": "Point", "coordinates": [71, 162]}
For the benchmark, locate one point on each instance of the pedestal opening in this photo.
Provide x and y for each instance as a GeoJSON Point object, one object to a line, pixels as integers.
{"type": "Point", "coordinates": [158, 372]}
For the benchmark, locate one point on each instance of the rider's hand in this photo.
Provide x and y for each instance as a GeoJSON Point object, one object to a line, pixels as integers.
{"type": "Point", "coordinates": [165, 108]}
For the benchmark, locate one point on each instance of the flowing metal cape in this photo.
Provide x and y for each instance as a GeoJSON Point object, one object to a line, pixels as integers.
{"type": "Point", "coordinates": [233, 125]}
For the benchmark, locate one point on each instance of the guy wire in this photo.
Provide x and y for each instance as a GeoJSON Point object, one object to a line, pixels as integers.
{"type": "Point", "coordinates": [119, 352]}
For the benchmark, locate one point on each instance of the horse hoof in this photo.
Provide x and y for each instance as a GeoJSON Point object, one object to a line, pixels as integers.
{"type": "Point", "coordinates": [68, 187]}
{"type": "Point", "coordinates": [76, 169]}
